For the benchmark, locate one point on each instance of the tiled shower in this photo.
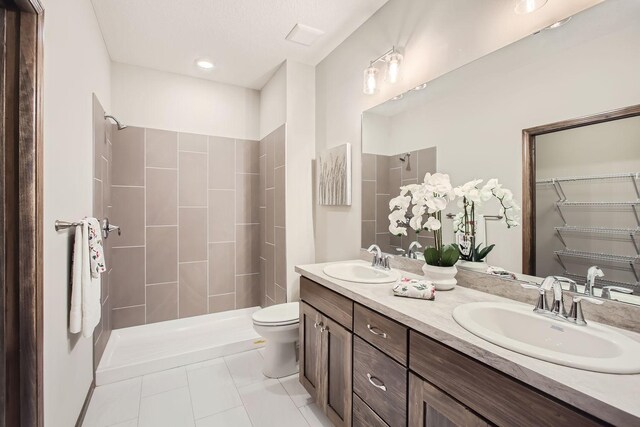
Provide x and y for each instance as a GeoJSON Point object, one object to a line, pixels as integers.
{"type": "Point", "coordinates": [202, 221]}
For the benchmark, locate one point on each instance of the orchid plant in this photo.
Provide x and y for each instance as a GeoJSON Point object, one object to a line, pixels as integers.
{"type": "Point", "coordinates": [472, 196]}
{"type": "Point", "coordinates": [417, 201]}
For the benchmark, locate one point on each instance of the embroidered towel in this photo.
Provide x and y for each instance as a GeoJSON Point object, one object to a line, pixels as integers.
{"type": "Point", "coordinates": [85, 309]}
{"type": "Point", "coordinates": [96, 253]}
{"type": "Point", "coordinates": [414, 288]}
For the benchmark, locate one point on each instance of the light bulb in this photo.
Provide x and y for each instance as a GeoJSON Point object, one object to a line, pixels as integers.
{"type": "Point", "coordinates": [528, 6]}
{"type": "Point", "coordinates": [393, 67]}
{"type": "Point", "coordinates": [370, 83]}
{"type": "Point", "coordinates": [204, 64]}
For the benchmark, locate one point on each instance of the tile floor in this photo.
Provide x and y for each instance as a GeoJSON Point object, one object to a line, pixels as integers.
{"type": "Point", "coordinates": [226, 392]}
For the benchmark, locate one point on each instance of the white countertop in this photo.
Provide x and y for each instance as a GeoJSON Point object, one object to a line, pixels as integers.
{"type": "Point", "coordinates": [610, 397]}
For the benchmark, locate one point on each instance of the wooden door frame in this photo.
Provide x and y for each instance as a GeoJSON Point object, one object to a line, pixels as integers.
{"type": "Point", "coordinates": [21, 204]}
{"type": "Point", "coordinates": [529, 173]}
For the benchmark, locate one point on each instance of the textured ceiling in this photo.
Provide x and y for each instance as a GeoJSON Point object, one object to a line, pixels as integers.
{"type": "Point", "coordinates": [244, 38]}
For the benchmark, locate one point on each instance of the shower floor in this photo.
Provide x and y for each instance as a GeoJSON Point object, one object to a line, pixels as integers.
{"type": "Point", "coordinates": [144, 349]}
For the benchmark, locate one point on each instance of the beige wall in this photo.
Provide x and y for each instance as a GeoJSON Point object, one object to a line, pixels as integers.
{"type": "Point", "coordinates": [602, 149]}
{"type": "Point", "coordinates": [188, 208]}
{"type": "Point", "coordinates": [76, 65]}
{"type": "Point", "coordinates": [160, 100]}
{"type": "Point", "coordinates": [477, 112]}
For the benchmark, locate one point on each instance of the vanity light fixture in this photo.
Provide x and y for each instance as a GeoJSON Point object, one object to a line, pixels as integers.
{"type": "Point", "coordinates": [392, 58]}
{"type": "Point", "coordinates": [558, 24]}
{"type": "Point", "coordinates": [398, 97]}
{"type": "Point", "coordinates": [527, 6]}
{"type": "Point", "coordinates": [420, 87]}
{"type": "Point", "coordinates": [204, 64]}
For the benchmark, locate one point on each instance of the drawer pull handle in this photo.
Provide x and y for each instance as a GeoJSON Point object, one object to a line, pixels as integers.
{"type": "Point", "coordinates": [381, 386]}
{"type": "Point", "coordinates": [375, 330]}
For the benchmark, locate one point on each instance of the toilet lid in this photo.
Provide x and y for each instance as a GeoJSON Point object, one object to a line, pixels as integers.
{"type": "Point", "coordinates": [278, 314]}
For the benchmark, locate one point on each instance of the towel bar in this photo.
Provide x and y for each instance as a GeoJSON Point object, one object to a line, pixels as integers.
{"type": "Point", "coordinates": [106, 226]}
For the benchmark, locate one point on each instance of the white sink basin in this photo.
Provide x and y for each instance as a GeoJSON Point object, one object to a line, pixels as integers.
{"type": "Point", "coordinates": [592, 347]}
{"type": "Point", "coordinates": [360, 273]}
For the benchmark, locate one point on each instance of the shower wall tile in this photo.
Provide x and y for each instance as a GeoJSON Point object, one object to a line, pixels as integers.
{"type": "Point", "coordinates": [247, 198]}
{"type": "Point", "coordinates": [193, 206]}
{"type": "Point", "coordinates": [162, 197]}
{"type": "Point", "coordinates": [162, 302]}
{"type": "Point", "coordinates": [193, 234]}
{"type": "Point", "coordinates": [222, 216]}
{"type": "Point", "coordinates": [368, 167]}
{"type": "Point", "coordinates": [222, 268]}
{"type": "Point", "coordinates": [193, 142]}
{"type": "Point", "coordinates": [382, 212]}
{"type": "Point", "coordinates": [218, 303]}
{"type": "Point", "coordinates": [368, 200]}
{"type": "Point", "coordinates": [192, 178]}
{"type": "Point", "coordinates": [269, 278]}
{"type": "Point", "coordinates": [247, 249]}
{"type": "Point", "coordinates": [279, 146]}
{"type": "Point", "coordinates": [382, 175]}
{"type": "Point", "coordinates": [222, 163]}
{"type": "Point", "coordinates": [368, 233]}
{"type": "Point", "coordinates": [128, 156]}
{"type": "Point", "coordinates": [279, 196]}
{"type": "Point", "coordinates": [128, 213]}
{"type": "Point", "coordinates": [162, 254]}
{"type": "Point", "coordinates": [270, 216]}
{"type": "Point", "coordinates": [427, 162]}
{"type": "Point", "coordinates": [409, 168]}
{"type": "Point", "coordinates": [247, 156]}
{"type": "Point", "coordinates": [247, 290]}
{"type": "Point", "coordinates": [270, 161]}
{"type": "Point", "coordinates": [192, 287]}
{"type": "Point", "coordinates": [161, 147]}
{"type": "Point", "coordinates": [281, 257]}
{"type": "Point", "coordinates": [127, 277]}
{"type": "Point", "coordinates": [127, 317]}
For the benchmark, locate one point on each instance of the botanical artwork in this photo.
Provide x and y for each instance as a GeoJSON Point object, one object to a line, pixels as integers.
{"type": "Point", "coordinates": [334, 176]}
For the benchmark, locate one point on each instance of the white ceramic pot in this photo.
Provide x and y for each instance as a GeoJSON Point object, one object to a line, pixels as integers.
{"type": "Point", "coordinates": [443, 278]}
{"type": "Point", "coordinates": [479, 266]}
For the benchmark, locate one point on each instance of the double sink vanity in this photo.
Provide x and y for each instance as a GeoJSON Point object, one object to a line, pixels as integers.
{"type": "Point", "coordinates": [466, 358]}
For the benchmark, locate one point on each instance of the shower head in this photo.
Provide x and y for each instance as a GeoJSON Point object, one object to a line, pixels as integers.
{"type": "Point", "coordinates": [119, 124]}
{"type": "Point", "coordinates": [405, 157]}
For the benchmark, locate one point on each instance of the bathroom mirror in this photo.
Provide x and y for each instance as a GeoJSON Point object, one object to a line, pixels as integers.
{"type": "Point", "coordinates": [546, 78]}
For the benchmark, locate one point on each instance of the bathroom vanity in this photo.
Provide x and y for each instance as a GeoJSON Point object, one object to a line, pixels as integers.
{"type": "Point", "coordinates": [372, 359]}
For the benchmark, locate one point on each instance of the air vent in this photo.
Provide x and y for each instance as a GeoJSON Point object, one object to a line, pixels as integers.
{"type": "Point", "coordinates": [304, 35]}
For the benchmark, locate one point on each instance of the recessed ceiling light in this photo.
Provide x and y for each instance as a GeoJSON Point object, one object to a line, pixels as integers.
{"type": "Point", "coordinates": [420, 87]}
{"type": "Point", "coordinates": [528, 6]}
{"type": "Point", "coordinates": [558, 24]}
{"type": "Point", "coordinates": [398, 97]}
{"type": "Point", "coordinates": [205, 64]}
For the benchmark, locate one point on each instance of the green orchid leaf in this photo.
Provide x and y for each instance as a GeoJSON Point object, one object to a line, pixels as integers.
{"type": "Point", "coordinates": [432, 256]}
{"type": "Point", "coordinates": [450, 256]}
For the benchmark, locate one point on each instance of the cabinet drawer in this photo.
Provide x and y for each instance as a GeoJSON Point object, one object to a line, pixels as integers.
{"type": "Point", "coordinates": [388, 335]}
{"type": "Point", "coordinates": [363, 416]}
{"type": "Point", "coordinates": [330, 303]}
{"type": "Point", "coordinates": [497, 397]}
{"type": "Point", "coordinates": [380, 382]}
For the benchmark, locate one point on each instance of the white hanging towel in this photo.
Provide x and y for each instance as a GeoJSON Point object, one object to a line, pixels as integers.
{"type": "Point", "coordinates": [88, 263]}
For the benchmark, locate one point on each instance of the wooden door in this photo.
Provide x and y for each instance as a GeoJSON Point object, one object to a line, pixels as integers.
{"type": "Point", "coordinates": [310, 349]}
{"type": "Point", "coordinates": [336, 396]}
{"type": "Point", "coordinates": [431, 407]}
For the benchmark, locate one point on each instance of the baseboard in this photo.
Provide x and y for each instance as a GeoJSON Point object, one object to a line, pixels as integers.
{"type": "Point", "coordinates": [85, 406]}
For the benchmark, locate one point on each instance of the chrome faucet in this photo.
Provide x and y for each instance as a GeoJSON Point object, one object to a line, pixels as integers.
{"type": "Point", "coordinates": [413, 247]}
{"type": "Point", "coordinates": [606, 291]}
{"type": "Point", "coordinates": [593, 272]}
{"type": "Point", "coordinates": [380, 260]}
{"type": "Point", "coordinates": [557, 309]}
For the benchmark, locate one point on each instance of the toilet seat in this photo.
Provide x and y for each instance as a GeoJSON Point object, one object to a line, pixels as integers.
{"type": "Point", "coordinates": [278, 315]}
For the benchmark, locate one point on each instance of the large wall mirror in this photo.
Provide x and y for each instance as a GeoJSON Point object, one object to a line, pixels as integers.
{"type": "Point", "coordinates": [511, 116]}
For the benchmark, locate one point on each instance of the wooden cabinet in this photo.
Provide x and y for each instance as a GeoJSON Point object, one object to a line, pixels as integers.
{"type": "Point", "coordinates": [431, 407]}
{"type": "Point", "coordinates": [325, 363]}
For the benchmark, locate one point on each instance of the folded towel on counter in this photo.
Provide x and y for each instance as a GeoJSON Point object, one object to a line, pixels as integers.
{"type": "Point", "coordinates": [498, 271]}
{"type": "Point", "coordinates": [414, 288]}
{"type": "Point", "coordinates": [85, 308]}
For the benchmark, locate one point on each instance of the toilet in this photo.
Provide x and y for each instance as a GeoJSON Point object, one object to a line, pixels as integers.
{"type": "Point", "coordinates": [278, 325]}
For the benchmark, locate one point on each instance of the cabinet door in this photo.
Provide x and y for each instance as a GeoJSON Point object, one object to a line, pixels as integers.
{"type": "Point", "coordinates": [310, 349]}
{"type": "Point", "coordinates": [336, 368]}
{"type": "Point", "coordinates": [430, 407]}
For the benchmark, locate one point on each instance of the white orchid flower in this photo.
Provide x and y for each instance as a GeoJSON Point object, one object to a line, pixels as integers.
{"type": "Point", "coordinates": [397, 230]}
{"type": "Point", "coordinates": [401, 202]}
{"type": "Point", "coordinates": [432, 224]}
